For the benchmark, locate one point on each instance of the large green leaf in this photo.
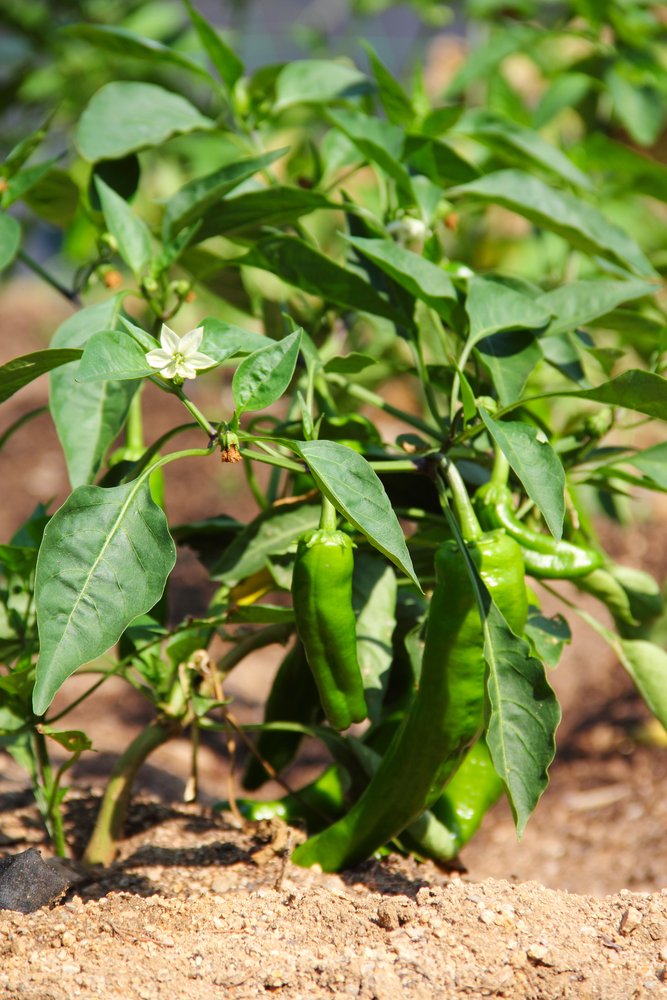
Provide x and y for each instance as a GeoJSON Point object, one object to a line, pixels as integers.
{"type": "Point", "coordinates": [300, 265]}
{"type": "Point", "coordinates": [88, 417]}
{"type": "Point", "coordinates": [263, 377]}
{"type": "Point", "coordinates": [580, 302]}
{"type": "Point", "coordinates": [437, 160]}
{"type": "Point", "coordinates": [130, 232]}
{"type": "Point", "coordinates": [124, 117]}
{"type": "Point", "coordinates": [272, 533]}
{"type": "Point", "coordinates": [582, 225]}
{"type": "Point", "coordinates": [424, 280]}
{"type": "Point", "coordinates": [509, 357]}
{"type": "Point", "coordinates": [638, 390]}
{"type": "Point", "coordinates": [348, 481]}
{"type": "Point", "coordinates": [104, 560]}
{"type": "Point", "coordinates": [10, 239]}
{"type": "Point", "coordinates": [492, 306]}
{"type": "Point", "coordinates": [378, 141]}
{"type": "Point", "coordinates": [374, 599]}
{"type": "Point", "coordinates": [112, 355]}
{"type": "Point", "coordinates": [194, 199]}
{"type": "Point", "coordinates": [20, 371]}
{"type": "Point", "coordinates": [505, 136]}
{"type": "Point", "coordinates": [223, 340]}
{"type": "Point", "coordinates": [129, 45]}
{"type": "Point", "coordinates": [223, 57]}
{"type": "Point", "coordinates": [536, 464]}
{"type": "Point", "coordinates": [524, 715]}
{"type": "Point", "coordinates": [318, 81]}
{"type": "Point", "coordinates": [275, 206]}
{"type": "Point", "coordinates": [396, 103]}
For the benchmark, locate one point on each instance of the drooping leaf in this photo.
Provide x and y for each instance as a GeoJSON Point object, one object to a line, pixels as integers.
{"type": "Point", "coordinates": [104, 560]}
{"type": "Point", "coordinates": [88, 417]}
{"type": "Point", "coordinates": [318, 81]}
{"type": "Point", "coordinates": [524, 715]}
{"type": "Point", "coordinates": [424, 280]}
{"type": "Point", "coordinates": [509, 357]}
{"type": "Point", "coordinates": [374, 599]}
{"type": "Point", "coordinates": [128, 44]}
{"type": "Point", "coordinates": [578, 222]}
{"type": "Point", "coordinates": [112, 355]}
{"type": "Point", "coordinates": [273, 532]}
{"type": "Point", "coordinates": [130, 232]}
{"type": "Point", "coordinates": [263, 377]}
{"type": "Point", "coordinates": [579, 302]}
{"type": "Point", "coordinates": [635, 389]}
{"type": "Point", "coordinates": [349, 482]}
{"type": "Point", "coordinates": [124, 117]}
{"type": "Point", "coordinates": [536, 464]}
{"type": "Point", "coordinates": [379, 142]}
{"type": "Point", "coordinates": [276, 206]}
{"type": "Point", "coordinates": [647, 665]}
{"type": "Point", "coordinates": [548, 635]}
{"type": "Point", "coordinates": [10, 239]}
{"type": "Point", "coordinates": [492, 306]}
{"type": "Point", "coordinates": [195, 198]}
{"type": "Point", "coordinates": [299, 264]}
{"type": "Point", "coordinates": [20, 371]}
{"type": "Point", "coordinates": [223, 57]}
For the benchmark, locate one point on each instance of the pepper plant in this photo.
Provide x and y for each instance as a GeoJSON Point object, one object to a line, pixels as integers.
{"type": "Point", "coordinates": [321, 235]}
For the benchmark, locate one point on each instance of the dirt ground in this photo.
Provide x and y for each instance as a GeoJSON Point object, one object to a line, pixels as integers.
{"type": "Point", "coordinates": [198, 905]}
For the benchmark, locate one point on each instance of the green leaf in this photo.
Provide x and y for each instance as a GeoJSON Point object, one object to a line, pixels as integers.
{"type": "Point", "coordinates": [565, 91]}
{"type": "Point", "coordinates": [21, 183]}
{"type": "Point", "coordinates": [509, 357]}
{"type": "Point", "coordinates": [124, 117]}
{"type": "Point", "coordinates": [112, 355]}
{"type": "Point", "coordinates": [272, 533]}
{"type": "Point", "coordinates": [548, 636]}
{"type": "Point", "coordinates": [424, 280]}
{"type": "Point", "coordinates": [579, 302]}
{"type": "Point", "coordinates": [647, 665]}
{"type": "Point", "coordinates": [263, 377]}
{"type": "Point", "coordinates": [196, 197]}
{"type": "Point", "coordinates": [10, 239]}
{"type": "Point", "coordinates": [505, 136]}
{"type": "Point", "coordinates": [637, 390]}
{"type": "Point", "coordinates": [348, 481]}
{"type": "Point", "coordinates": [223, 340]}
{"type": "Point", "coordinates": [653, 463]}
{"type": "Point", "coordinates": [104, 560]}
{"type": "Point", "coordinates": [349, 364]}
{"type": "Point", "coordinates": [437, 160]}
{"type": "Point", "coordinates": [536, 464]}
{"type": "Point", "coordinates": [575, 220]}
{"type": "Point", "coordinates": [638, 106]}
{"type": "Point", "coordinates": [524, 715]}
{"type": "Point", "coordinates": [300, 265]}
{"type": "Point", "coordinates": [396, 103]}
{"type": "Point", "coordinates": [129, 231]}
{"type": "Point", "coordinates": [88, 417]}
{"type": "Point", "coordinates": [492, 306]}
{"type": "Point", "coordinates": [379, 142]}
{"type": "Point", "coordinates": [72, 740]}
{"type": "Point", "coordinates": [274, 206]}
{"type": "Point", "coordinates": [318, 81]}
{"type": "Point", "coordinates": [225, 60]}
{"type": "Point", "coordinates": [621, 166]}
{"type": "Point", "coordinates": [129, 45]}
{"type": "Point", "coordinates": [374, 599]}
{"type": "Point", "coordinates": [20, 371]}
{"type": "Point", "coordinates": [54, 197]}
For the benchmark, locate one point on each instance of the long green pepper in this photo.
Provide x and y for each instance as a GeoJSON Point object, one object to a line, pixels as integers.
{"type": "Point", "coordinates": [447, 712]}
{"type": "Point", "coordinates": [325, 620]}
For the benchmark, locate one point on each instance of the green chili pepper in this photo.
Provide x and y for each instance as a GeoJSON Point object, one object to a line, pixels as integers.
{"type": "Point", "coordinates": [633, 597]}
{"type": "Point", "coordinates": [447, 712]}
{"type": "Point", "coordinates": [543, 555]}
{"type": "Point", "coordinates": [325, 621]}
{"type": "Point", "coordinates": [317, 804]}
{"type": "Point", "coordinates": [293, 698]}
{"type": "Point", "coordinates": [472, 791]}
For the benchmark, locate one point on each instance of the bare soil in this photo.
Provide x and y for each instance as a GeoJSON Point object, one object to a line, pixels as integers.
{"type": "Point", "coordinates": [199, 905]}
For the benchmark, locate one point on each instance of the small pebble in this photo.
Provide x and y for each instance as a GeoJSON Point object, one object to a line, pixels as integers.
{"type": "Point", "coordinates": [630, 920]}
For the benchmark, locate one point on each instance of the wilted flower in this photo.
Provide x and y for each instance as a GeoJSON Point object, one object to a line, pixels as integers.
{"type": "Point", "coordinates": [178, 357]}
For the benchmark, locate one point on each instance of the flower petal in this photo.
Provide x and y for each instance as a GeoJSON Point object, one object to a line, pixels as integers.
{"type": "Point", "coordinates": [169, 340]}
{"type": "Point", "coordinates": [199, 360]}
{"type": "Point", "coordinates": [170, 371]}
{"type": "Point", "coordinates": [186, 370]}
{"type": "Point", "coordinates": [158, 358]}
{"type": "Point", "coordinates": [191, 340]}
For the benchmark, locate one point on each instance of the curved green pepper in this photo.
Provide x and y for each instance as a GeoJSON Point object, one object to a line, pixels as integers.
{"type": "Point", "coordinates": [634, 598]}
{"type": "Point", "coordinates": [317, 804]}
{"type": "Point", "coordinates": [325, 621]}
{"type": "Point", "coordinates": [447, 712]}
{"type": "Point", "coordinates": [293, 698]}
{"type": "Point", "coordinates": [542, 554]}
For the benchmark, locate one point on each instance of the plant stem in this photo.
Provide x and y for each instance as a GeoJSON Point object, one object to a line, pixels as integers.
{"type": "Point", "coordinates": [52, 816]}
{"type": "Point", "coordinates": [329, 516]}
{"type": "Point", "coordinates": [196, 413]}
{"type": "Point", "coordinates": [48, 278]}
{"type": "Point", "coordinates": [134, 429]}
{"type": "Point", "coordinates": [501, 468]}
{"type": "Point", "coordinates": [101, 847]}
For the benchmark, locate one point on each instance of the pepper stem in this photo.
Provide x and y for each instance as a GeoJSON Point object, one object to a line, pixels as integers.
{"type": "Point", "coordinates": [501, 468]}
{"type": "Point", "coordinates": [470, 527]}
{"type": "Point", "coordinates": [329, 516]}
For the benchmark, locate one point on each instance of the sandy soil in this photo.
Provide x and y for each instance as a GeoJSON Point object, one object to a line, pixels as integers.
{"type": "Point", "coordinates": [198, 906]}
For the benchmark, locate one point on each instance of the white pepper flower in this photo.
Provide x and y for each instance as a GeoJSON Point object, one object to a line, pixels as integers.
{"type": "Point", "coordinates": [179, 358]}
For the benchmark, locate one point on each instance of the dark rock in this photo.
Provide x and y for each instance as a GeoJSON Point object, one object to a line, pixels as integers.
{"type": "Point", "coordinates": [27, 882]}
